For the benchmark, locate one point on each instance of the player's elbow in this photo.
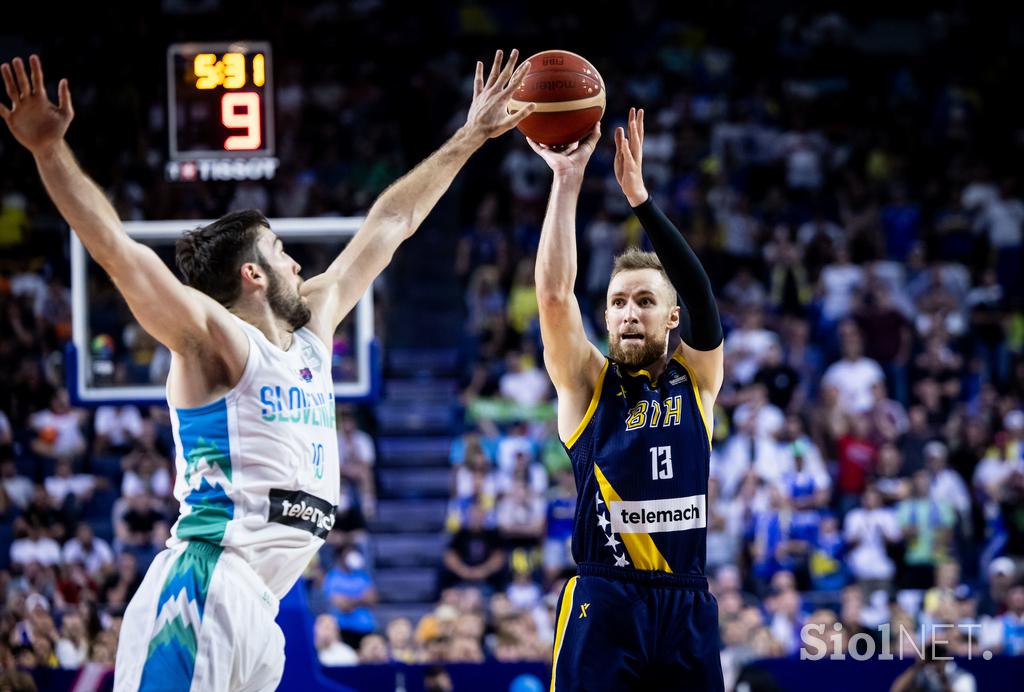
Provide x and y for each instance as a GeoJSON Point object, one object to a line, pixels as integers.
{"type": "Point", "coordinates": [115, 253]}
{"type": "Point", "coordinates": [394, 222]}
{"type": "Point", "coordinates": [552, 297]}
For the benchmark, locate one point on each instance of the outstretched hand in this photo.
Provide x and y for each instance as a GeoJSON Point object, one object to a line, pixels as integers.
{"type": "Point", "coordinates": [35, 121]}
{"type": "Point", "coordinates": [488, 113]}
{"type": "Point", "coordinates": [629, 157]}
{"type": "Point", "coordinates": [573, 159]}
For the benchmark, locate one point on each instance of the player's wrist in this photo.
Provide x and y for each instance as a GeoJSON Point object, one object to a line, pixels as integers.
{"type": "Point", "coordinates": [473, 135]}
{"type": "Point", "coordinates": [48, 150]}
{"type": "Point", "coordinates": [568, 176]}
{"type": "Point", "coordinates": [637, 197]}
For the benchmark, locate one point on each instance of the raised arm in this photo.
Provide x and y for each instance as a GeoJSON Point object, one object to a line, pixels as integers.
{"type": "Point", "coordinates": [702, 347]}
{"type": "Point", "coordinates": [151, 290]}
{"type": "Point", "coordinates": [401, 208]}
{"type": "Point", "coordinates": [573, 363]}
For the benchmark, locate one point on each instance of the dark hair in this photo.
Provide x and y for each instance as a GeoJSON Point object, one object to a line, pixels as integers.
{"type": "Point", "coordinates": [210, 256]}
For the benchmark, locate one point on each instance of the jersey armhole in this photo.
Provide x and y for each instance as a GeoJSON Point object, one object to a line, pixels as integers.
{"type": "Point", "coordinates": [591, 408]}
{"type": "Point", "coordinates": [678, 357]}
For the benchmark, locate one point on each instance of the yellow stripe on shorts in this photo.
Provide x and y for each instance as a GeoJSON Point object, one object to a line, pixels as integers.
{"type": "Point", "coordinates": [563, 622]}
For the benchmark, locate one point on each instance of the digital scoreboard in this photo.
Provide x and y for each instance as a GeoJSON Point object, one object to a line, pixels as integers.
{"type": "Point", "coordinates": [220, 111]}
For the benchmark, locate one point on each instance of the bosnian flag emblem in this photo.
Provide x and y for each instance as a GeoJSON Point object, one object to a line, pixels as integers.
{"type": "Point", "coordinates": [307, 374]}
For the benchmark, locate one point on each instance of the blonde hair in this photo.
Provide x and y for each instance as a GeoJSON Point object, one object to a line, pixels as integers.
{"type": "Point", "coordinates": [634, 258]}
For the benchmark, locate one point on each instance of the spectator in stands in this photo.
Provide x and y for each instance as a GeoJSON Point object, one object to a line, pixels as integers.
{"type": "Point", "coordinates": [868, 530]}
{"type": "Point", "coordinates": [1001, 575]}
{"type": "Point", "coordinates": [854, 374]}
{"type": "Point", "coordinates": [745, 451]}
{"type": "Point", "coordinates": [747, 346]}
{"type": "Point", "coordinates": [839, 282]}
{"type": "Point", "coordinates": [525, 470]}
{"type": "Point", "coordinates": [117, 429]}
{"type": "Point", "coordinates": [561, 508]}
{"type": "Point", "coordinates": [40, 513]}
{"type": "Point", "coordinates": [857, 459]}
{"type": "Point", "coordinates": [1013, 622]}
{"type": "Point", "coordinates": [72, 648]}
{"type": "Point", "coordinates": [473, 483]}
{"type": "Point", "coordinates": [330, 650]}
{"type": "Point", "coordinates": [1011, 511]}
{"type": "Point", "coordinates": [522, 301]}
{"type": "Point", "coordinates": [34, 545]}
{"type": "Point", "coordinates": [888, 417]}
{"type": "Point", "coordinates": [88, 550]}
{"type": "Point", "coordinates": [357, 455]}
{"type": "Point", "coordinates": [484, 244]}
{"type": "Point", "coordinates": [17, 488]}
{"type": "Point", "coordinates": [891, 336]}
{"type": "Point", "coordinates": [121, 584]}
{"type": "Point", "coordinates": [779, 378]}
{"type": "Point", "coordinates": [768, 419]}
{"type": "Point", "coordinates": [70, 491]}
{"type": "Point", "coordinates": [939, 600]}
{"type": "Point", "coordinates": [947, 486]}
{"type": "Point", "coordinates": [889, 478]}
{"type": "Point", "coordinates": [785, 618]}
{"type": "Point", "coordinates": [517, 440]}
{"type": "Point", "coordinates": [145, 472]}
{"type": "Point", "coordinates": [58, 429]}
{"type": "Point", "coordinates": [520, 515]}
{"type": "Point", "coordinates": [373, 649]}
{"type": "Point", "coordinates": [524, 383]}
{"type": "Point", "coordinates": [142, 528]}
{"type": "Point", "coordinates": [806, 489]}
{"type": "Point", "coordinates": [474, 555]}
{"type": "Point", "coordinates": [927, 525]}
{"type": "Point", "coordinates": [401, 642]}
{"type": "Point", "coordinates": [350, 591]}
{"type": "Point", "coordinates": [993, 473]}
{"type": "Point", "coordinates": [827, 564]}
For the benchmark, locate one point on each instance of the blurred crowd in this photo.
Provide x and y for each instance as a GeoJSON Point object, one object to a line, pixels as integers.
{"type": "Point", "coordinates": [851, 190]}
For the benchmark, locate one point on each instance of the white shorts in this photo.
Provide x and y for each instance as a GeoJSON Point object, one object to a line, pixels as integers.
{"type": "Point", "coordinates": [201, 620]}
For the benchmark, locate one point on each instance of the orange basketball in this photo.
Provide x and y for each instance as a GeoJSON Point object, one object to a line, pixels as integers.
{"type": "Point", "coordinates": [569, 94]}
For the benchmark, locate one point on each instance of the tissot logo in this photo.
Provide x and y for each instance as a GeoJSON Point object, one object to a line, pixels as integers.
{"type": "Point", "coordinates": [654, 516]}
{"type": "Point", "coordinates": [302, 510]}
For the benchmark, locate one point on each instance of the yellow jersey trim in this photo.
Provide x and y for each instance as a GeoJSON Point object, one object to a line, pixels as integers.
{"type": "Point", "coordinates": [590, 409]}
{"type": "Point", "coordinates": [678, 357]}
{"type": "Point", "coordinates": [640, 546]}
{"type": "Point", "coordinates": [562, 624]}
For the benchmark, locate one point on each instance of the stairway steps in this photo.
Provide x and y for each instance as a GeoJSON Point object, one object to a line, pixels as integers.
{"type": "Point", "coordinates": [409, 549]}
{"type": "Point", "coordinates": [398, 516]}
{"type": "Point", "coordinates": [413, 451]}
{"type": "Point", "coordinates": [415, 483]}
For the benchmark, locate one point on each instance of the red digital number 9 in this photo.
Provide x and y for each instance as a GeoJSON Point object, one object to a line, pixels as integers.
{"type": "Point", "coordinates": [248, 117]}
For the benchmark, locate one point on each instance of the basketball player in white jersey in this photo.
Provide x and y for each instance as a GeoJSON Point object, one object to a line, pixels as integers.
{"type": "Point", "coordinates": [249, 389]}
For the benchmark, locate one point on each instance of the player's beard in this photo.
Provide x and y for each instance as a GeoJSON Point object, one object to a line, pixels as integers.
{"type": "Point", "coordinates": [650, 350]}
{"type": "Point", "coordinates": [285, 305]}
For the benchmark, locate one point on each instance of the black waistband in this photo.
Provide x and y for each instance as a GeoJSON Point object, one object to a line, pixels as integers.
{"type": "Point", "coordinates": [643, 576]}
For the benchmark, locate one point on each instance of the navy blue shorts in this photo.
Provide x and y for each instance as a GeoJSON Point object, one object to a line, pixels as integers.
{"type": "Point", "coordinates": [622, 629]}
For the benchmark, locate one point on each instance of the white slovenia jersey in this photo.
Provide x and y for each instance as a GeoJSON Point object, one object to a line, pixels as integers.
{"type": "Point", "coordinates": [257, 470]}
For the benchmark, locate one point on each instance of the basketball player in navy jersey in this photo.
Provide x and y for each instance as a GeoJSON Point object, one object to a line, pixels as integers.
{"type": "Point", "coordinates": [637, 426]}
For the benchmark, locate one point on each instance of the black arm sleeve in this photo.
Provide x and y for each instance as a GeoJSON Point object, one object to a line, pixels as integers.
{"type": "Point", "coordinates": [687, 276]}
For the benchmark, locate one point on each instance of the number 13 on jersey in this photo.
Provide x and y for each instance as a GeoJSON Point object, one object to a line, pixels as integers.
{"type": "Point", "coordinates": [661, 463]}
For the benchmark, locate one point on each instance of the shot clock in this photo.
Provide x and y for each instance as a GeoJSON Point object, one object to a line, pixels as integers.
{"type": "Point", "coordinates": [220, 111]}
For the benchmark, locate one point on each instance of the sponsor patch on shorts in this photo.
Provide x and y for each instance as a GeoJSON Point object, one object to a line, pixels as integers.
{"type": "Point", "coordinates": [302, 510]}
{"type": "Point", "coordinates": [654, 516]}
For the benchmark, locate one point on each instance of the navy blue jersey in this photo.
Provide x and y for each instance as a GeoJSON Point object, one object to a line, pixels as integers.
{"type": "Point", "coordinates": [641, 457]}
